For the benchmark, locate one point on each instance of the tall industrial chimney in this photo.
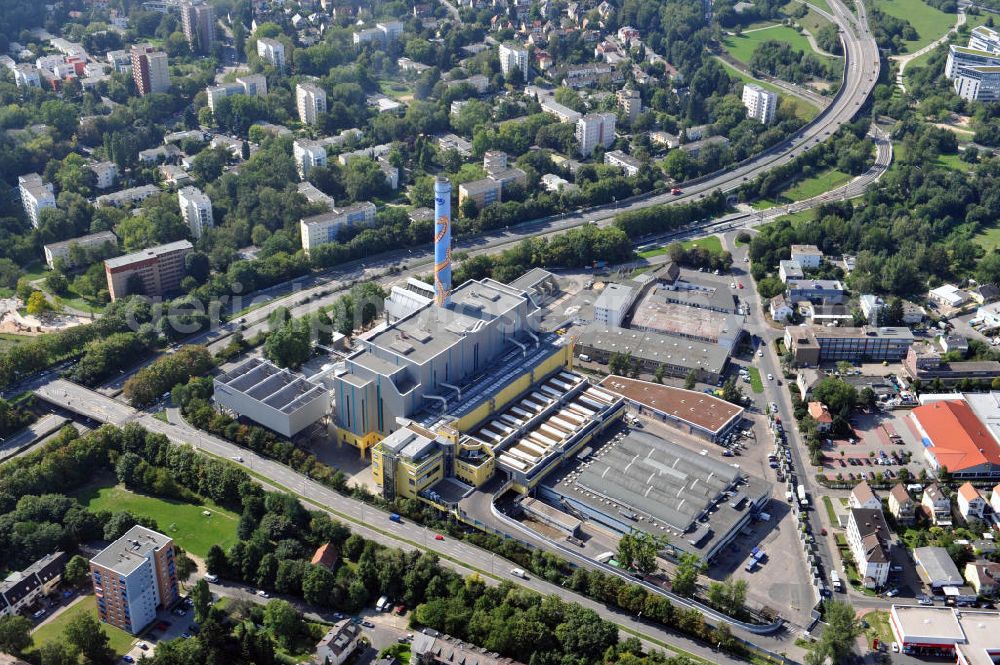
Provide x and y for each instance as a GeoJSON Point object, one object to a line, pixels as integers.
{"type": "Point", "coordinates": [442, 241]}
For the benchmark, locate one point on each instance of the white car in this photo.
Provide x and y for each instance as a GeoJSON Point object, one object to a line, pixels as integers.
{"type": "Point", "coordinates": [895, 647]}
{"type": "Point", "coordinates": [770, 377]}
{"type": "Point", "coordinates": [760, 353]}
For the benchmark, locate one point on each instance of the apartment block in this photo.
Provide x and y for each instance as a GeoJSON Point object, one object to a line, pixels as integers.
{"type": "Point", "coordinates": [272, 52]}
{"type": "Point", "coordinates": [627, 163]}
{"type": "Point", "coordinates": [630, 102]}
{"type": "Point", "coordinates": [310, 99]}
{"type": "Point", "coordinates": [149, 69]}
{"type": "Point", "coordinates": [198, 23]}
{"type": "Point", "coordinates": [308, 154]}
{"type": "Point", "coordinates": [196, 209]}
{"type": "Point", "coordinates": [761, 104]}
{"type": "Point", "coordinates": [322, 229]}
{"type": "Point", "coordinates": [595, 129]}
{"type": "Point", "coordinates": [254, 85]}
{"type": "Point", "coordinates": [514, 56]}
{"type": "Point", "coordinates": [159, 269]}
{"type": "Point", "coordinates": [869, 540]}
{"type": "Point", "coordinates": [106, 174]}
{"type": "Point", "coordinates": [35, 196]}
{"type": "Point", "coordinates": [61, 250]}
{"type": "Point", "coordinates": [134, 577]}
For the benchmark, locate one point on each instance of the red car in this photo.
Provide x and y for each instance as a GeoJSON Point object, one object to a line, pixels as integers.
{"type": "Point", "coordinates": [740, 284]}
{"type": "Point", "coordinates": [439, 537]}
{"type": "Point", "coordinates": [676, 191]}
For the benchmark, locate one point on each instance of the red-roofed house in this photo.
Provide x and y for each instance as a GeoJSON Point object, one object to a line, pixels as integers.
{"type": "Point", "coordinates": [821, 414]}
{"type": "Point", "coordinates": [970, 502]}
{"type": "Point", "coordinates": [326, 556]}
{"type": "Point", "coordinates": [954, 437]}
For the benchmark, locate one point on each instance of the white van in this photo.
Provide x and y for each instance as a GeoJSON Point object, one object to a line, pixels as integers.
{"type": "Point", "coordinates": [518, 572]}
{"type": "Point", "coordinates": [383, 604]}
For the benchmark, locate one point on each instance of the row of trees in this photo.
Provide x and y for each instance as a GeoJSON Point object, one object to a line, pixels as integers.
{"type": "Point", "coordinates": [163, 374]}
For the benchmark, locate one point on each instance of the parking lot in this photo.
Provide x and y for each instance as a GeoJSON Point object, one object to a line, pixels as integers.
{"type": "Point", "coordinates": [881, 443]}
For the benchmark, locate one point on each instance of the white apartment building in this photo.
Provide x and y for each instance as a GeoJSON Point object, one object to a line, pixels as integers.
{"type": "Point", "coordinates": [106, 174]}
{"type": "Point", "coordinates": [595, 129]}
{"type": "Point", "coordinates": [61, 250]}
{"type": "Point", "coordinates": [868, 539]}
{"type": "Point", "coordinates": [391, 30]}
{"type": "Point", "coordinates": [196, 209]}
{"type": "Point", "coordinates": [808, 256]}
{"type": "Point", "coordinates": [627, 163]}
{"type": "Point", "coordinates": [322, 229]}
{"type": "Point", "coordinates": [307, 155]}
{"type": "Point", "coordinates": [613, 304]}
{"type": "Point", "coordinates": [310, 99]}
{"type": "Point", "coordinates": [26, 76]}
{"type": "Point", "coordinates": [35, 195]}
{"type": "Point", "coordinates": [514, 56]}
{"type": "Point", "coordinates": [971, 502]}
{"type": "Point", "coordinates": [254, 85]}
{"type": "Point", "coordinates": [272, 52]}
{"type": "Point", "coordinates": [760, 103]}
{"type": "Point", "coordinates": [630, 102]}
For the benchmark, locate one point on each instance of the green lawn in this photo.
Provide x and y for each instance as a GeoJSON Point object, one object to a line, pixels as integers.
{"type": "Point", "coordinates": [36, 270]}
{"type": "Point", "coordinates": [822, 4]}
{"type": "Point", "coordinates": [954, 162]}
{"type": "Point", "coordinates": [51, 631]}
{"type": "Point", "coordinates": [184, 522]}
{"type": "Point", "coordinates": [803, 109]}
{"type": "Point", "coordinates": [878, 627]}
{"type": "Point", "coordinates": [742, 46]}
{"type": "Point", "coordinates": [395, 89]}
{"type": "Point", "coordinates": [711, 243]}
{"type": "Point", "coordinates": [830, 512]}
{"type": "Point", "coordinates": [929, 23]}
{"type": "Point", "coordinates": [756, 384]}
{"type": "Point", "coordinates": [806, 189]}
{"type": "Point", "coordinates": [76, 301]}
{"type": "Point", "coordinates": [989, 239]}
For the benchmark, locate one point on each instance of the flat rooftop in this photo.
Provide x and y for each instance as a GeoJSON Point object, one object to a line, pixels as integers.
{"type": "Point", "coordinates": [702, 410]}
{"type": "Point", "coordinates": [129, 552]}
{"type": "Point", "coordinates": [272, 386]}
{"type": "Point", "coordinates": [668, 489]}
{"type": "Point", "coordinates": [655, 314]}
{"type": "Point", "coordinates": [148, 253]}
{"type": "Point", "coordinates": [656, 347]}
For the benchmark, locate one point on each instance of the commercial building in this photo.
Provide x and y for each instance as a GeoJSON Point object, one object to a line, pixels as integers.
{"type": "Point", "coordinates": [970, 637]}
{"type": "Point", "coordinates": [678, 356]}
{"type": "Point", "coordinates": [276, 398]}
{"type": "Point", "coordinates": [22, 588]}
{"type": "Point", "coordinates": [679, 312]}
{"type": "Point", "coordinates": [971, 502]}
{"type": "Point", "coordinates": [975, 69]}
{"type": "Point", "coordinates": [989, 315]}
{"type": "Point", "coordinates": [901, 505]}
{"type": "Point", "coordinates": [761, 104]}
{"type": "Point", "coordinates": [134, 577]}
{"type": "Point", "coordinates": [829, 291]}
{"type": "Point", "coordinates": [198, 23]}
{"type": "Point", "coordinates": [630, 165]}
{"type": "Point", "coordinates": [308, 154]}
{"type": "Point", "coordinates": [35, 195]}
{"type": "Point", "coordinates": [811, 345]}
{"type": "Point", "coordinates": [936, 568]}
{"type": "Point", "coordinates": [430, 647]}
{"type": "Point", "coordinates": [338, 643]}
{"type": "Point", "coordinates": [869, 540]}
{"type": "Point", "coordinates": [613, 304]}
{"type": "Point", "coordinates": [149, 69]}
{"type": "Point", "coordinates": [482, 192]}
{"type": "Point", "coordinates": [693, 412]}
{"type": "Point", "coordinates": [310, 100]}
{"type": "Point", "coordinates": [514, 57]}
{"type": "Point", "coordinates": [948, 295]}
{"type": "Point", "coordinates": [105, 174]}
{"type": "Point", "coordinates": [272, 52]}
{"type": "Point", "coordinates": [955, 436]}
{"type": "Point", "coordinates": [323, 228]}
{"type": "Point", "coordinates": [196, 210]}
{"type": "Point", "coordinates": [647, 483]}
{"type": "Point", "coordinates": [925, 362]}
{"type": "Point", "coordinates": [595, 129]}
{"type": "Point", "coordinates": [153, 271]}
{"type": "Point", "coordinates": [630, 102]}
{"type": "Point", "coordinates": [61, 250]}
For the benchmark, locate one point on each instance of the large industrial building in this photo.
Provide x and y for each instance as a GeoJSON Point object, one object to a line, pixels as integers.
{"type": "Point", "coordinates": [276, 398]}
{"type": "Point", "coordinates": [644, 482]}
{"type": "Point", "coordinates": [677, 355]}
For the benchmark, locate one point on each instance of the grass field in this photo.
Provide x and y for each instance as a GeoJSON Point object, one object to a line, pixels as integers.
{"type": "Point", "coordinates": [830, 512]}
{"type": "Point", "coordinates": [395, 89]}
{"type": "Point", "coordinates": [929, 23]}
{"type": "Point", "coordinates": [806, 189]}
{"type": "Point", "coordinates": [803, 109]}
{"type": "Point", "coordinates": [989, 239]}
{"type": "Point", "coordinates": [822, 4]}
{"type": "Point", "coordinates": [742, 46]}
{"type": "Point", "coordinates": [711, 243]}
{"type": "Point", "coordinates": [184, 522]}
{"type": "Point", "coordinates": [878, 627]}
{"type": "Point", "coordinates": [51, 631]}
{"type": "Point", "coordinates": [756, 383]}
